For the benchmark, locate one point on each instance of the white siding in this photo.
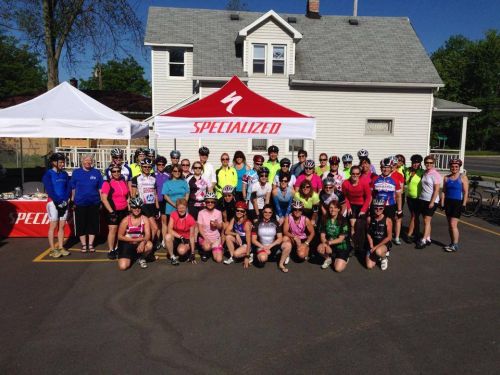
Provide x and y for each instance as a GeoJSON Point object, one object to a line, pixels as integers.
{"type": "Point", "coordinates": [269, 30]}
{"type": "Point", "coordinates": [169, 91]}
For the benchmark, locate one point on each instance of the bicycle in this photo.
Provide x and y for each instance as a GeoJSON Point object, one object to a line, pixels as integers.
{"type": "Point", "coordinates": [493, 205]}
{"type": "Point", "coordinates": [474, 199]}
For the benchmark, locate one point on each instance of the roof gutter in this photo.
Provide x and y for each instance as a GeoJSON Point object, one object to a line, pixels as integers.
{"type": "Point", "coordinates": [305, 82]}
{"type": "Point", "coordinates": [456, 110]}
{"type": "Point", "coordinates": [217, 79]}
{"type": "Point", "coordinates": [184, 45]}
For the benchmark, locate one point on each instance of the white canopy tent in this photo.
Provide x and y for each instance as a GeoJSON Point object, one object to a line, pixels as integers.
{"type": "Point", "coordinates": [66, 112]}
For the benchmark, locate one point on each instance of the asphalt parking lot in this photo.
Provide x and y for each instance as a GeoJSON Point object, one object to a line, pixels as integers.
{"type": "Point", "coordinates": [430, 312]}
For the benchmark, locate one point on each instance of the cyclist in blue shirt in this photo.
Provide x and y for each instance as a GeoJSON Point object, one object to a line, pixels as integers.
{"type": "Point", "coordinates": [57, 186]}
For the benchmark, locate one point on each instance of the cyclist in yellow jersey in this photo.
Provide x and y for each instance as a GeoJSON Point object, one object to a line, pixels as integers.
{"type": "Point", "coordinates": [273, 163]}
{"type": "Point", "coordinates": [225, 175]}
{"type": "Point", "coordinates": [413, 187]}
{"type": "Point", "coordinates": [347, 161]}
{"type": "Point", "coordinates": [135, 167]}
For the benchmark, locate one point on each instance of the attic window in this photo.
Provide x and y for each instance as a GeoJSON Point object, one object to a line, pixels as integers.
{"type": "Point", "coordinates": [176, 62]}
{"type": "Point", "coordinates": [259, 58]}
{"type": "Point", "coordinates": [278, 59]}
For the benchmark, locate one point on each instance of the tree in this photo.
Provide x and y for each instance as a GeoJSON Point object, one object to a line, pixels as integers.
{"type": "Point", "coordinates": [124, 75]}
{"type": "Point", "coordinates": [471, 73]}
{"type": "Point", "coordinates": [20, 70]}
{"type": "Point", "coordinates": [236, 5]}
{"type": "Point", "coordinates": [72, 27]}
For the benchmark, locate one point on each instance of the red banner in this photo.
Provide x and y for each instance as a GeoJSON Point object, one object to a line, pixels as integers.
{"type": "Point", "coordinates": [26, 219]}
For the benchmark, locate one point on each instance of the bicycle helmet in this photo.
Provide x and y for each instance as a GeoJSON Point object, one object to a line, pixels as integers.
{"type": "Point", "coordinates": [114, 165]}
{"type": "Point", "coordinates": [285, 162]}
{"type": "Point", "coordinates": [394, 160]}
{"type": "Point", "coordinates": [203, 151]}
{"type": "Point", "coordinates": [241, 204]}
{"type": "Point", "coordinates": [136, 202]}
{"type": "Point", "coordinates": [57, 156]}
{"type": "Point", "coordinates": [146, 162]}
{"type": "Point", "coordinates": [116, 152]}
{"type": "Point", "coordinates": [347, 158]}
{"type": "Point", "coordinates": [210, 195]}
{"type": "Point", "coordinates": [379, 202]}
{"type": "Point", "coordinates": [161, 159]}
{"type": "Point", "coordinates": [297, 205]}
{"type": "Point", "coordinates": [455, 161]}
{"type": "Point", "coordinates": [334, 159]}
{"type": "Point", "coordinates": [387, 162]}
{"type": "Point", "coordinates": [138, 152]}
{"type": "Point", "coordinates": [228, 189]}
{"type": "Point", "coordinates": [174, 154]}
{"type": "Point", "coordinates": [150, 153]}
{"type": "Point", "coordinates": [362, 153]}
{"type": "Point", "coordinates": [258, 159]}
{"type": "Point", "coordinates": [416, 158]}
{"type": "Point", "coordinates": [273, 148]}
{"type": "Point", "coordinates": [264, 170]}
{"type": "Point", "coordinates": [309, 163]}
{"type": "Point", "coordinates": [328, 182]}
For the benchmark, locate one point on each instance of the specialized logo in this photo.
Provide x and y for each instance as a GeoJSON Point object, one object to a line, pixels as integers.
{"type": "Point", "coordinates": [232, 99]}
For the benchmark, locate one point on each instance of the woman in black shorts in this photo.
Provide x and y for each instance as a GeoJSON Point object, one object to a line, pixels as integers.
{"type": "Point", "coordinates": [134, 234]}
{"type": "Point", "coordinates": [379, 236]}
{"type": "Point", "coordinates": [267, 238]}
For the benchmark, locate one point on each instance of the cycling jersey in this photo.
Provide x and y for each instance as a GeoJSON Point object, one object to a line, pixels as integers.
{"type": "Point", "coordinates": [413, 184]}
{"type": "Point", "coordinates": [266, 231]}
{"type": "Point", "coordinates": [225, 176]}
{"type": "Point", "coordinates": [57, 185]}
{"type": "Point", "coordinates": [250, 178]}
{"type": "Point", "coordinates": [283, 201]}
{"type": "Point", "coordinates": [378, 230]}
{"type": "Point", "coordinates": [126, 173]}
{"type": "Point", "coordinates": [385, 188]}
{"type": "Point", "coordinates": [260, 192]}
{"type": "Point", "coordinates": [338, 178]}
{"type": "Point", "coordinates": [146, 188]}
{"type": "Point", "coordinates": [273, 168]}
{"type": "Point", "coordinates": [315, 182]}
{"type": "Point", "coordinates": [134, 231]}
{"type": "Point", "coordinates": [277, 178]}
{"type": "Point", "coordinates": [297, 229]}
{"type": "Point", "coordinates": [198, 187]}
{"type": "Point", "coordinates": [333, 229]}
{"type": "Point", "coordinates": [429, 179]}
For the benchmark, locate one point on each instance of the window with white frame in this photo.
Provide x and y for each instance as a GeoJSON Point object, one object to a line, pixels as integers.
{"type": "Point", "coordinates": [176, 62]}
{"type": "Point", "coordinates": [278, 59]}
{"type": "Point", "coordinates": [259, 58]}
{"type": "Point", "coordinates": [379, 127]}
{"type": "Point", "coordinates": [295, 145]}
{"type": "Point", "coordinates": [259, 145]}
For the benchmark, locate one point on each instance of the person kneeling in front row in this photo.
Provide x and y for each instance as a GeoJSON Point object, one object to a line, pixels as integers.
{"type": "Point", "coordinates": [379, 236]}
{"type": "Point", "coordinates": [134, 234]}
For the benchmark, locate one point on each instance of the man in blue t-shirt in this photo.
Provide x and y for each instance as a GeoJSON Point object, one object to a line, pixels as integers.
{"type": "Point", "coordinates": [86, 184]}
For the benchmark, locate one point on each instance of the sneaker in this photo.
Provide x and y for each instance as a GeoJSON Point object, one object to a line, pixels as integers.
{"type": "Point", "coordinates": [163, 244]}
{"type": "Point", "coordinates": [174, 261]}
{"type": "Point", "coordinates": [158, 245]}
{"type": "Point", "coordinates": [143, 263]}
{"type": "Point", "coordinates": [327, 263]}
{"type": "Point", "coordinates": [409, 239]}
{"type": "Point", "coordinates": [113, 254]}
{"type": "Point", "coordinates": [64, 252]}
{"type": "Point", "coordinates": [388, 253]}
{"type": "Point", "coordinates": [420, 245]}
{"type": "Point", "coordinates": [229, 260]}
{"type": "Point", "coordinates": [204, 258]}
{"type": "Point", "coordinates": [451, 248]}
{"type": "Point", "coordinates": [55, 253]}
{"type": "Point", "coordinates": [428, 242]}
{"type": "Point", "coordinates": [384, 263]}
{"type": "Point", "coordinates": [397, 241]}
{"type": "Point", "coordinates": [250, 259]}
{"type": "Point", "coordinates": [287, 260]}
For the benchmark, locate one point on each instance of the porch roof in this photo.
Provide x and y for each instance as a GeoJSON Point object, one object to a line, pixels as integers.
{"type": "Point", "coordinates": [446, 108]}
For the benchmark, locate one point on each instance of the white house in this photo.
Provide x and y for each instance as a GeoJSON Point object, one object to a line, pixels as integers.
{"type": "Point", "coordinates": [367, 80]}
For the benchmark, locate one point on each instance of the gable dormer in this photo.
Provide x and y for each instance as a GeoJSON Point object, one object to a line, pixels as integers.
{"type": "Point", "coordinates": [269, 46]}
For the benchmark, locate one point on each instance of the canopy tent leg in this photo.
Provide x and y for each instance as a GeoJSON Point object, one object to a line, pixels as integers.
{"type": "Point", "coordinates": [463, 141]}
{"type": "Point", "coordinates": [127, 160]}
{"type": "Point", "coordinates": [22, 163]}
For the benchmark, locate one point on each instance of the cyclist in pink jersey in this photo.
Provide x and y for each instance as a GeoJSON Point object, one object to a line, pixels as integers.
{"type": "Point", "coordinates": [298, 231]}
{"type": "Point", "coordinates": [210, 226]}
{"type": "Point", "coordinates": [181, 235]}
{"type": "Point", "coordinates": [309, 175]}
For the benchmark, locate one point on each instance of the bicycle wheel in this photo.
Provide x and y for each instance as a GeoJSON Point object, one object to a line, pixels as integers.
{"type": "Point", "coordinates": [473, 205]}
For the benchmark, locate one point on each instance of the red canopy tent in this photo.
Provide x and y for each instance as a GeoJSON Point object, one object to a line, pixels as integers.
{"type": "Point", "coordinates": [235, 111]}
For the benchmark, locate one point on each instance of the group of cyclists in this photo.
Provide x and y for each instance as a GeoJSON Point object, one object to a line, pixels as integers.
{"type": "Point", "coordinates": [251, 214]}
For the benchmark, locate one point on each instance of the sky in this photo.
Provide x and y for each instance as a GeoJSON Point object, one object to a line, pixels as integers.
{"type": "Point", "coordinates": [433, 20]}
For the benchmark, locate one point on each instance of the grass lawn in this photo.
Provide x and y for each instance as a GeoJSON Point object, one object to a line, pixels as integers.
{"type": "Point", "coordinates": [493, 175]}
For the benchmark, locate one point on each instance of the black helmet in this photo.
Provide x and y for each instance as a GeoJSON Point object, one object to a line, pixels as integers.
{"type": "Point", "coordinates": [57, 156]}
{"type": "Point", "coordinates": [273, 148]}
{"type": "Point", "coordinates": [174, 154]}
{"type": "Point", "coordinates": [146, 162]}
{"type": "Point", "coordinates": [161, 159]}
{"type": "Point", "coordinates": [285, 161]}
{"type": "Point", "coordinates": [116, 152]}
{"type": "Point", "coordinates": [416, 158]}
{"type": "Point", "coordinates": [263, 170]}
{"type": "Point", "coordinates": [203, 151]}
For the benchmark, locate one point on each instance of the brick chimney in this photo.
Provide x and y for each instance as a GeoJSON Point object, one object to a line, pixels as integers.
{"type": "Point", "coordinates": [312, 10]}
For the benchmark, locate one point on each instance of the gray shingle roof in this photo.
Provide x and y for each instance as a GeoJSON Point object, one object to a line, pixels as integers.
{"type": "Point", "coordinates": [379, 49]}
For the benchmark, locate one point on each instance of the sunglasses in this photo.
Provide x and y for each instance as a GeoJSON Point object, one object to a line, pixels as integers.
{"type": "Point", "coordinates": [334, 163]}
{"type": "Point", "coordinates": [285, 166]}
{"type": "Point", "coordinates": [228, 195]}
{"type": "Point", "coordinates": [379, 208]}
{"type": "Point", "coordinates": [284, 181]}
{"type": "Point", "coordinates": [135, 208]}
{"type": "Point", "coordinates": [267, 212]}
{"type": "Point", "coordinates": [307, 187]}
{"type": "Point", "coordinates": [263, 175]}
{"type": "Point", "coordinates": [308, 168]}
{"type": "Point", "coordinates": [428, 162]}
{"type": "Point", "coordinates": [146, 167]}
{"type": "Point", "coordinates": [174, 158]}
{"type": "Point", "coordinates": [160, 164]}
{"type": "Point", "coordinates": [328, 187]}
{"type": "Point", "coordinates": [197, 168]}
{"type": "Point", "coordinates": [209, 202]}
{"type": "Point", "coordinates": [323, 159]}
{"type": "Point", "coordinates": [116, 171]}
{"type": "Point", "coordinates": [184, 165]}
{"type": "Point", "coordinates": [297, 209]}
{"type": "Point", "coordinates": [355, 174]}
{"type": "Point", "coordinates": [118, 157]}
{"type": "Point", "coordinates": [224, 159]}
{"type": "Point", "coordinates": [241, 211]}
{"type": "Point", "coordinates": [258, 164]}
{"type": "Point", "coordinates": [302, 156]}
{"type": "Point", "coordinates": [176, 171]}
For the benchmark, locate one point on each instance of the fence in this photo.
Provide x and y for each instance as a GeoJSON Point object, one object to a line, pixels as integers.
{"type": "Point", "coordinates": [443, 157]}
{"type": "Point", "coordinates": [102, 156]}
